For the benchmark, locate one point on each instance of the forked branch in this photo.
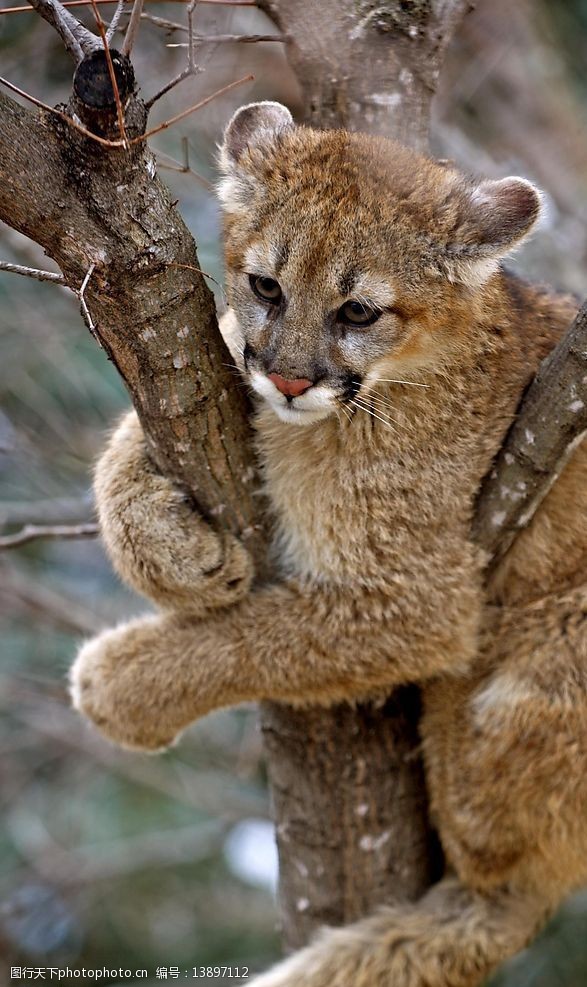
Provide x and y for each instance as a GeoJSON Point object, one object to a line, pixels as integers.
{"type": "Point", "coordinates": [78, 40]}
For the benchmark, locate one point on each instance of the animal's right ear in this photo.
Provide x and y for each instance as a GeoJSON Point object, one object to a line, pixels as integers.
{"type": "Point", "coordinates": [255, 125]}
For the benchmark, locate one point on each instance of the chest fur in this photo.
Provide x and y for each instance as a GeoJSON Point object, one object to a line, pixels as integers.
{"type": "Point", "coordinates": [353, 498]}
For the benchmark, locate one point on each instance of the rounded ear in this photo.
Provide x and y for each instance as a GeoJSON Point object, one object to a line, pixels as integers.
{"type": "Point", "coordinates": [250, 125]}
{"type": "Point", "coordinates": [499, 214]}
{"type": "Point", "coordinates": [492, 219]}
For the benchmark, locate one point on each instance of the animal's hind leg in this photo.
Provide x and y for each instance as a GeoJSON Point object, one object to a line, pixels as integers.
{"type": "Point", "coordinates": [507, 753]}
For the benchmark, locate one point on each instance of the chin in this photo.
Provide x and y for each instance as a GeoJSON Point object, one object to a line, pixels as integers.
{"type": "Point", "coordinates": [299, 416]}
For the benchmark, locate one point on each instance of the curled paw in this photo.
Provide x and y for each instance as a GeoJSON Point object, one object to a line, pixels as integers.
{"type": "Point", "coordinates": [157, 540]}
{"type": "Point", "coordinates": [120, 682]}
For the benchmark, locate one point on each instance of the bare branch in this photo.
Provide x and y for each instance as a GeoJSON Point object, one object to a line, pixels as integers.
{"type": "Point", "coordinates": [163, 22]}
{"type": "Point", "coordinates": [191, 68]}
{"type": "Point", "coordinates": [191, 109]}
{"type": "Point", "coordinates": [61, 510]}
{"type": "Point", "coordinates": [551, 422]}
{"type": "Point", "coordinates": [166, 161]}
{"type": "Point", "coordinates": [121, 9]}
{"type": "Point", "coordinates": [81, 294]}
{"type": "Point", "coordinates": [31, 532]}
{"type": "Point", "coordinates": [215, 39]}
{"type": "Point", "coordinates": [60, 114]}
{"type": "Point", "coordinates": [135, 140]}
{"type": "Point", "coordinates": [184, 74]}
{"type": "Point", "coordinates": [31, 272]}
{"type": "Point", "coordinates": [133, 27]}
{"type": "Point", "coordinates": [76, 38]}
{"type": "Point", "coordinates": [88, 3]}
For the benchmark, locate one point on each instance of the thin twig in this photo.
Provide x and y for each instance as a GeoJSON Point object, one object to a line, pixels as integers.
{"type": "Point", "coordinates": [119, 110]}
{"type": "Point", "coordinates": [215, 39]}
{"type": "Point", "coordinates": [58, 510]}
{"type": "Point", "coordinates": [78, 40]}
{"type": "Point", "coordinates": [60, 114]}
{"type": "Point", "coordinates": [191, 109]}
{"type": "Point", "coordinates": [31, 272]}
{"type": "Point", "coordinates": [87, 3]}
{"type": "Point", "coordinates": [191, 68]}
{"type": "Point", "coordinates": [114, 23]}
{"type": "Point", "coordinates": [191, 12]}
{"type": "Point", "coordinates": [31, 532]}
{"type": "Point", "coordinates": [81, 295]}
{"type": "Point", "coordinates": [163, 22]}
{"type": "Point", "coordinates": [190, 267]}
{"type": "Point", "coordinates": [184, 74]}
{"type": "Point", "coordinates": [133, 27]}
{"type": "Point", "coordinates": [134, 140]}
{"type": "Point", "coordinates": [185, 169]}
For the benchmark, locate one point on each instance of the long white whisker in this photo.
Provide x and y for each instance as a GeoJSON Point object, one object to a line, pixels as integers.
{"type": "Point", "coordinates": [370, 411]}
{"type": "Point", "coordinates": [378, 399]}
{"type": "Point", "coordinates": [346, 412]}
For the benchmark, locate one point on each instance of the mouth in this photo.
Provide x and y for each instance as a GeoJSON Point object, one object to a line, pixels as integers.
{"type": "Point", "coordinates": [293, 415]}
{"type": "Point", "coordinates": [316, 404]}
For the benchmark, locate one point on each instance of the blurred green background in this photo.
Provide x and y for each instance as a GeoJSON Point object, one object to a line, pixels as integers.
{"type": "Point", "coordinates": [109, 859]}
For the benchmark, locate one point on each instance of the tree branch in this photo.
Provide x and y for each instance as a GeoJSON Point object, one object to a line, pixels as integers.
{"type": "Point", "coordinates": [76, 38]}
{"type": "Point", "coordinates": [31, 272]}
{"type": "Point", "coordinates": [61, 510]}
{"type": "Point", "coordinates": [31, 532]}
{"type": "Point", "coordinates": [153, 312]}
{"type": "Point", "coordinates": [551, 422]}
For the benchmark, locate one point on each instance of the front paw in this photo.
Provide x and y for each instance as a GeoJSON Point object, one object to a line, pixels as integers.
{"type": "Point", "coordinates": [157, 542]}
{"type": "Point", "coordinates": [121, 683]}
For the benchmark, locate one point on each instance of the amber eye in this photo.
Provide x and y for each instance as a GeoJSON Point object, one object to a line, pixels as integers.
{"type": "Point", "coordinates": [357, 314]}
{"type": "Point", "coordinates": [266, 288]}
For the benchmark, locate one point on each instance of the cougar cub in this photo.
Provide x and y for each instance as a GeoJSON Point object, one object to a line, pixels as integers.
{"type": "Point", "coordinates": [388, 349]}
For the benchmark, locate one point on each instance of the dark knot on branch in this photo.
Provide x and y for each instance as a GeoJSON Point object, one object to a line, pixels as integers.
{"type": "Point", "coordinates": [92, 83]}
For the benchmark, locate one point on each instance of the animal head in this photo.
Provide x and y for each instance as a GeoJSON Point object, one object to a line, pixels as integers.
{"type": "Point", "coordinates": [352, 259]}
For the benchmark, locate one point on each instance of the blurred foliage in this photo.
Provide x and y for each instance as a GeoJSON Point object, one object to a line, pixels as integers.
{"type": "Point", "coordinates": [108, 858]}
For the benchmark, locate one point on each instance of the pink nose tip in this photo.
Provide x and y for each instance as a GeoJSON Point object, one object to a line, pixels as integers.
{"type": "Point", "coordinates": [291, 388]}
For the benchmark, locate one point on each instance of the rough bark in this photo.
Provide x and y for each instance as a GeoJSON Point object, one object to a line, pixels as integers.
{"type": "Point", "coordinates": [368, 65]}
{"type": "Point", "coordinates": [551, 423]}
{"type": "Point", "coordinates": [152, 310]}
{"type": "Point", "coordinates": [351, 811]}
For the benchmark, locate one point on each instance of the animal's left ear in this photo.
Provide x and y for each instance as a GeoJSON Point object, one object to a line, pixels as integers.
{"type": "Point", "coordinates": [490, 220]}
{"type": "Point", "coordinates": [257, 125]}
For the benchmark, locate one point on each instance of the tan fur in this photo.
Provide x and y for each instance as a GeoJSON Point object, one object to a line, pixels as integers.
{"type": "Point", "coordinates": [381, 583]}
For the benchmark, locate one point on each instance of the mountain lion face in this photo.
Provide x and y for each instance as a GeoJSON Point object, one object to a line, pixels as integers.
{"type": "Point", "coordinates": [351, 260]}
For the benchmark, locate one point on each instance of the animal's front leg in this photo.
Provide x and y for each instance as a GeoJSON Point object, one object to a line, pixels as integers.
{"type": "Point", "coordinates": [146, 681]}
{"type": "Point", "coordinates": [142, 683]}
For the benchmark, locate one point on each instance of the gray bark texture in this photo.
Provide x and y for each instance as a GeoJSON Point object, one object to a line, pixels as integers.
{"type": "Point", "coordinates": [347, 783]}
